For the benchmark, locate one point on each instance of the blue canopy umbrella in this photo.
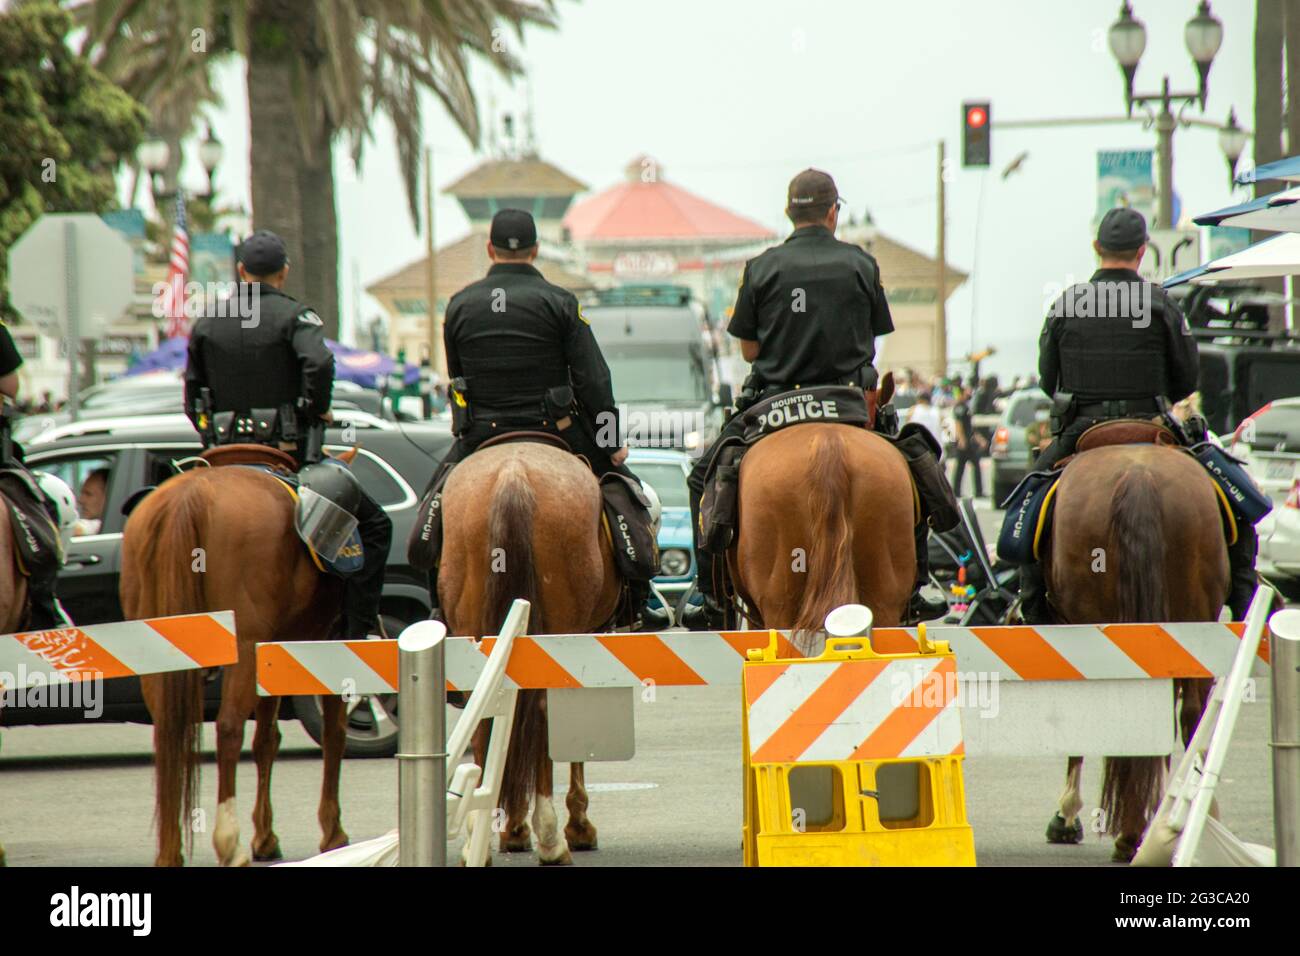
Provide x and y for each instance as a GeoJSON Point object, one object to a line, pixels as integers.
{"type": "Point", "coordinates": [1279, 212]}
{"type": "Point", "coordinates": [1288, 169]}
{"type": "Point", "coordinates": [364, 367]}
{"type": "Point", "coordinates": [1276, 256]}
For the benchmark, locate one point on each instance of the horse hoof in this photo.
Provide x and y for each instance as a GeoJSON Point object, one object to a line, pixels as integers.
{"type": "Point", "coordinates": [340, 839]}
{"type": "Point", "coordinates": [580, 841]}
{"type": "Point", "coordinates": [517, 845]}
{"type": "Point", "coordinates": [564, 859]}
{"type": "Point", "coordinates": [1125, 849]}
{"type": "Point", "coordinates": [268, 856]}
{"type": "Point", "coordinates": [1058, 831]}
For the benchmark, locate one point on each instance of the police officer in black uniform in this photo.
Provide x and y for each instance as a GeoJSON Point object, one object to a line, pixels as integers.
{"type": "Point", "coordinates": [521, 357]}
{"type": "Point", "coordinates": [45, 612]}
{"type": "Point", "coordinates": [271, 354]}
{"type": "Point", "coordinates": [1118, 347]}
{"type": "Point", "coordinates": [807, 313]}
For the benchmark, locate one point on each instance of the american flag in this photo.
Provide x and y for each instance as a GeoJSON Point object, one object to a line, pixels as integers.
{"type": "Point", "coordinates": [178, 271]}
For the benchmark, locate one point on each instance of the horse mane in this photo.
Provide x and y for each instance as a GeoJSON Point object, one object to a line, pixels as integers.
{"type": "Point", "coordinates": [831, 578]}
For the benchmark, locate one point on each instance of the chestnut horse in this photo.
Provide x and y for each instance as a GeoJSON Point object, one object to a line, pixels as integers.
{"type": "Point", "coordinates": [13, 591]}
{"type": "Point", "coordinates": [1137, 538]}
{"type": "Point", "coordinates": [523, 520]}
{"type": "Point", "coordinates": [826, 518]}
{"type": "Point", "coordinates": [214, 539]}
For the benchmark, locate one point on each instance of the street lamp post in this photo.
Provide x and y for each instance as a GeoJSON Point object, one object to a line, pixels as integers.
{"type": "Point", "coordinates": [1203, 36]}
{"type": "Point", "coordinates": [154, 153]}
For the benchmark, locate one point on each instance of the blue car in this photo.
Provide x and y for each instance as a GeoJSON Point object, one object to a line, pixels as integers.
{"type": "Point", "coordinates": [666, 472]}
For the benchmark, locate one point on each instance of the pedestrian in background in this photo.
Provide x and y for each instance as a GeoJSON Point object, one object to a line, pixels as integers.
{"type": "Point", "coordinates": [924, 413]}
{"type": "Point", "coordinates": [969, 448]}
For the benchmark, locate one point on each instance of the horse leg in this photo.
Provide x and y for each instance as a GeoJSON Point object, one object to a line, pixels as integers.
{"type": "Point", "coordinates": [1065, 826]}
{"type": "Point", "coordinates": [266, 744]}
{"type": "Point", "coordinates": [551, 850]}
{"type": "Point", "coordinates": [579, 832]}
{"type": "Point", "coordinates": [238, 697]}
{"type": "Point", "coordinates": [1130, 793]}
{"type": "Point", "coordinates": [333, 736]}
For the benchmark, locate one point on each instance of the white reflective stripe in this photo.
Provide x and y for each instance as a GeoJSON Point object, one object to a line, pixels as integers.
{"type": "Point", "coordinates": [140, 647]}
{"type": "Point", "coordinates": [972, 653]}
{"type": "Point", "coordinates": [338, 667]}
{"type": "Point", "coordinates": [940, 737]}
{"type": "Point", "coordinates": [1091, 652]}
{"type": "Point", "coordinates": [465, 662]}
{"type": "Point", "coordinates": [783, 697]}
{"type": "Point", "coordinates": [587, 661]}
{"type": "Point", "coordinates": [708, 655]}
{"type": "Point", "coordinates": [20, 665]}
{"type": "Point", "coordinates": [880, 698]}
{"type": "Point", "coordinates": [1206, 643]}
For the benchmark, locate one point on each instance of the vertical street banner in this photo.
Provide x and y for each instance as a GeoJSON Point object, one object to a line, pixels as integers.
{"type": "Point", "coordinates": [1125, 177]}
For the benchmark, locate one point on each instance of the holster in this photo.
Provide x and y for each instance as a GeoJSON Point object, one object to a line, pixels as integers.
{"type": "Point", "coordinates": [1062, 411]}
{"type": "Point", "coordinates": [749, 392]}
{"type": "Point", "coordinates": [558, 404]}
{"type": "Point", "coordinates": [938, 503]}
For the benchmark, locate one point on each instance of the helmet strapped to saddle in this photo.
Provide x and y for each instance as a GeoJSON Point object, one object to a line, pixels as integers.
{"type": "Point", "coordinates": [57, 490]}
{"type": "Point", "coordinates": [328, 499]}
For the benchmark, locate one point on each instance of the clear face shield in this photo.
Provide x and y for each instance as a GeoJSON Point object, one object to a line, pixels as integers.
{"type": "Point", "coordinates": [324, 525]}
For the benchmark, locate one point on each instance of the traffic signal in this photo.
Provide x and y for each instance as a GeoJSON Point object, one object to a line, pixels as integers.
{"type": "Point", "coordinates": [975, 146]}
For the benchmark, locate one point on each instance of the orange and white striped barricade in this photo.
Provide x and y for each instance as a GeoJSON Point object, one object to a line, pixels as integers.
{"type": "Point", "coordinates": [69, 655]}
{"type": "Point", "coordinates": [853, 758]}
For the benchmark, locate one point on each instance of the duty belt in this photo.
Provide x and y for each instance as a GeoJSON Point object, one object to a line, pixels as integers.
{"type": "Point", "coordinates": [1117, 408]}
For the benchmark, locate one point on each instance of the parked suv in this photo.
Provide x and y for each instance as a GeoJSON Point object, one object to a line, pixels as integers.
{"type": "Point", "coordinates": [1022, 426]}
{"type": "Point", "coordinates": [393, 463]}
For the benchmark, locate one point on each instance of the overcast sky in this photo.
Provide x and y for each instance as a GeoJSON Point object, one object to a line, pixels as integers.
{"type": "Point", "coordinates": [735, 96]}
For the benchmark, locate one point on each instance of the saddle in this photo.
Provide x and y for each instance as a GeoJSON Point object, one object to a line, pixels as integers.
{"type": "Point", "coordinates": [1125, 431]}
{"type": "Point", "coordinates": [545, 438]}
{"type": "Point", "coordinates": [264, 456]}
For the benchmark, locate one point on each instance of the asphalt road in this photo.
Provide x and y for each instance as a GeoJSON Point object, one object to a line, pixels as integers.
{"type": "Point", "coordinates": [83, 795]}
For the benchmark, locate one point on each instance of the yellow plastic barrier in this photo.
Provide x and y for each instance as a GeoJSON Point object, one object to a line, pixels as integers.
{"type": "Point", "coordinates": [854, 758]}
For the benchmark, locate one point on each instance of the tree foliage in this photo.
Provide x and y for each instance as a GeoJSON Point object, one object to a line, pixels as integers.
{"type": "Point", "coordinates": [64, 126]}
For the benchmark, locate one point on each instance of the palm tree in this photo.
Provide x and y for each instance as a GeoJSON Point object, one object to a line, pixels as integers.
{"type": "Point", "coordinates": [318, 70]}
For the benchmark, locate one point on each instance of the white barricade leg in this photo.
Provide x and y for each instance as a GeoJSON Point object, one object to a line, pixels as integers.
{"type": "Point", "coordinates": [483, 801]}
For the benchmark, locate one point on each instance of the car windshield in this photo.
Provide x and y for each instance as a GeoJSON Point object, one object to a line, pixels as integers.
{"type": "Point", "coordinates": [1028, 409]}
{"type": "Point", "coordinates": [642, 375]}
{"type": "Point", "coordinates": [1280, 425]}
{"type": "Point", "coordinates": [667, 479]}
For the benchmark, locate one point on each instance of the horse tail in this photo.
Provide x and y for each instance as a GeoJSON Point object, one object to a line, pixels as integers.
{"type": "Point", "coordinates": [510, 541]}
{"type": "Point", "coordinates": [831, 578]}
{"type": "Point", "coordinates": [163, 582]}
{"type": "Point", "coordinates": [1131, 786]}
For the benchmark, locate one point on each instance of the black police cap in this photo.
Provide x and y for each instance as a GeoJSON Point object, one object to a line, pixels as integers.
{"type": "Point", "coordinates": [513, 229]}
{"type": "Point", "coordinates": [263, 253]}
{"type": "Point", "coordinates": [1122, 229]}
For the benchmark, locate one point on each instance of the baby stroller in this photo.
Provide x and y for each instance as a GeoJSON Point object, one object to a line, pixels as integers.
{"type": "Point", "coordinates": [989, 592]}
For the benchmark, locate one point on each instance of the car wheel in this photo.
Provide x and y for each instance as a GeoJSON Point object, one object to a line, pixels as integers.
{"type": "Point", "coordinates": [372, 718]}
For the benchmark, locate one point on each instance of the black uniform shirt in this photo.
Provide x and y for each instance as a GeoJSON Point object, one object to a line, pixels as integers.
{"type": "Point", "coordinates": [1117, 336]}
{"type": "Point", "coordinates": [814, 305]}
{"type": "Point", "coordinates": [512, 335]}
{"type": "Point", "coordinates": [10, 358]}
{"type": "Point", "coordinates": [266, 352]}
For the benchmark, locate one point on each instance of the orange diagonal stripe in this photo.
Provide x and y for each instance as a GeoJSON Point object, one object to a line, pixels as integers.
{"type": "Point", "coordinates": [1155, 651]}
{"type": "Point", "coordinates": [73, 653]}
{"type": "Point", "coordinates": [822, 708]}
{"type": "Point", "coordinates": [200, 637]}
{"type": "Point", "coordinates": [278, 672]}
{"type": "Point", "coordinates": [743, 641]}
{"type": "Point", "coordinates": [649, 658]}
{"type": "Point", "coordinates": [530, 666]}
{"type": "Point", "coordinates": [1026, 652]}
{"type": "Point", "coordinates": [905, 722]}
{"type": "Point", "coordinates": [379, 656]}
{"type": "Point", "coordinates": [759, 677]}
{"type": "Point", "coordinates": [893, 640]}
{"type": "Point", "coordinates": [1239, 628]}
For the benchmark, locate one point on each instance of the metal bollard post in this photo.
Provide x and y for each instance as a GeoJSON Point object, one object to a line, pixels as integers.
{"type": "Point", "coordinates": [422, 745]}
{"type": "Point", "coordinates": [1284, 655]}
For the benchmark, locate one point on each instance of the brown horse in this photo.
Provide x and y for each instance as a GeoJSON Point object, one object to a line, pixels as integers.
{"type": "Point", "coordinates": [826, 518]}
{"type": "Point", "coordinates": [13, 590]}
{"type": "Point", "coordinates": [1137, 538]}
{"type": "Point", "coordinates": [523, 520]}
{"type": "Point", "coordinates": [216, 539]}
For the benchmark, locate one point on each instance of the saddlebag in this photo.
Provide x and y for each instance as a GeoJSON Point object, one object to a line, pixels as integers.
{"type": "Point", "coordinates": [636, 552]}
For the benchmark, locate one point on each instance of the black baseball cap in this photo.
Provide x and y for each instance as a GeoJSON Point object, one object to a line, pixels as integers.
{"type": "Point", "coordinates": [1122, 229]}
{"type": "Point", "coordinates": [263, 253]}
{"type": "Point", "coordinates": [812, 187]}
{"type": "Point", "coordinates": [513, 229]}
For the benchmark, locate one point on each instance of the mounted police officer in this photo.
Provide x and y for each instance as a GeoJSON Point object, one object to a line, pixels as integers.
{"type": "Point", "coordinates": [521, 357]}
{"type": "Point", "coordinates": [270, 357]}
{"type": "Point", "coordinates": [42, 507]}
{"type": "Point", "coordinates": [807, 313]}
{"type": "Point", "coordinates": [1117, 347]}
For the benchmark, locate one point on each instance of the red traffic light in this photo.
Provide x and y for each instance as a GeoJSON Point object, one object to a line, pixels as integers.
{"type": "Point", "coordinates": [976, 116]}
